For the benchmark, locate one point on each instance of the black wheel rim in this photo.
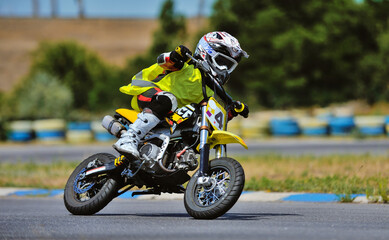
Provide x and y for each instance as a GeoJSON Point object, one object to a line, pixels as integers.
{"type": "Point", "coordinates": [221, 182]}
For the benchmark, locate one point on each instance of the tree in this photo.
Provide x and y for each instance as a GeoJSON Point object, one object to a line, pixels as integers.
{"type": "Point", "coordinates": [54, 8]}
{"type": "Point", "coordinates": [373, 75]}
{"type": "Point", "coordinates": [373, 84]}
{"type": "Point", "coordinates": [35, 8]}
{"type": "Point", "coordinates": [40, 96]}
{"type": "Point", "coordinates": [81, 10]}
{"type": "Point", "coordinates": [301, 52]}
{"type": "Point", "coordinates": [91, 81]}
{"type": "Point", "coordinates": [171, 33]}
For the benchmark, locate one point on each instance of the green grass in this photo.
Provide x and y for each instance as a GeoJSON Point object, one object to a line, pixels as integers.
{"type": "Point", "coordinates": [329, 184]}
{"type": "Point", "coordinates": [43, 175]}
{"type": "Point", "coordinates": [380, 193]}
{"type": "Point", "coordinates": [339, 174]}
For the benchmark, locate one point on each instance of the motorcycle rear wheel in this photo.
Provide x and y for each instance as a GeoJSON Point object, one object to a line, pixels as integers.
{"type": "Point", "coordinates": [227, 177]}
{"type": "Point", "coordinates": [87, 197]}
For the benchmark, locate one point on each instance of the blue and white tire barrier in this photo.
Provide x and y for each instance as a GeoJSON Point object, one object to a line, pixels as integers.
{"type": "Point", "coordinates": [101, 134]}
{"type": "Point", "coordinates": [50, 130]}
{"type": "Point", "coordinates": [249, 128]}
{"type": "Point", "coordinates": [20, 131]}
{"type": "Point", "coordinates": [285, 126]}
{"type": "Point", "coordinates": [370, 125]}
{"type": "Point", "coordinates": [341, 126]}
{"type": "Point", "coordinates": [313, 126]}
{"type": "Point", "coordinates": [79, 132]}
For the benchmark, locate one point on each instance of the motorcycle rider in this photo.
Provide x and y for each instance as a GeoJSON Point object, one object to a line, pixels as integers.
{"type": "Point", "coordinates": [172, 83]}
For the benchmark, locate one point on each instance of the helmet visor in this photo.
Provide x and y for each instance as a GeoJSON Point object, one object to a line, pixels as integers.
{"type": "Point", "coordinates": [224, 62]}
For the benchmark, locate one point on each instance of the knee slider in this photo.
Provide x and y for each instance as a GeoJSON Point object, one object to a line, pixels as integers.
{"type": "Point", "coordinates": [167, 98]}
{"type": "Point", "coordinates": [162, 103]}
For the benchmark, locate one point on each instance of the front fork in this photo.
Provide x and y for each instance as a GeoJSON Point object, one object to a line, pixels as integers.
{"type": "Point", "coordinates": [203, 178]}
{"type": "Point", "coordinates": [204, 147]}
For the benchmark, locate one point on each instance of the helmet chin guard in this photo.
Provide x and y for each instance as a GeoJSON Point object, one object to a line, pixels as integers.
{"type": "Point", "coordinates": [221, 75]}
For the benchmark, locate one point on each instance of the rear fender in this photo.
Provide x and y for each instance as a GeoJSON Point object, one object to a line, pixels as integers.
{"type": "Point", "coordinates": [130, 115]}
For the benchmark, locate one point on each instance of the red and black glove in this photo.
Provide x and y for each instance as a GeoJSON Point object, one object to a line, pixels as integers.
{"type": "Point", "coordinates": [179, 55]}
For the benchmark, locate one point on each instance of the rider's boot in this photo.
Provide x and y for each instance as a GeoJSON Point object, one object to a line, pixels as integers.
{"type": "Point", "coordinates": [128, 142]}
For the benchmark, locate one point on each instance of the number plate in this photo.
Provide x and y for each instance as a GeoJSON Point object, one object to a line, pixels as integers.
{"type": "Point", "coordinates": [216, 114]}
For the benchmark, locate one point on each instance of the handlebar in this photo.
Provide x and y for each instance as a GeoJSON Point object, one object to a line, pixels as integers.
{"type": "Point", "coordinates": [218, 89]}
{"type": "Point", "coordinates": [203, 65]}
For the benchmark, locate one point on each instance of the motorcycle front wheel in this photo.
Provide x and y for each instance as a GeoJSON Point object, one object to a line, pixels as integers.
{"type": "Point", "coordinates": [83, 196]}
{"type": "Point", "coordinates": [227, 182]}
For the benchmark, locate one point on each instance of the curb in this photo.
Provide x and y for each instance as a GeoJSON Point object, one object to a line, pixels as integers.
{"type": "Point", "coordinates": [247, 196]}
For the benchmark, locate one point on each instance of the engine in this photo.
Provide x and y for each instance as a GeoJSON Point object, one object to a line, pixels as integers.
{"type": "Point", "coordinates": [164, 158]}
{"type": "Point", "coordinates": [186, 160]}
{"type": "Point", "coordinates": [149, 153]}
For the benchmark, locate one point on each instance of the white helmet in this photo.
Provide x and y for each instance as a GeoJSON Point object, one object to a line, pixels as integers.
{"type": "Point", "coordinates": [222, 52]}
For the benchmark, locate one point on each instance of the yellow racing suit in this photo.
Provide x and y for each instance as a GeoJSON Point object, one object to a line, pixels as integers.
{"type": "Point", "coordinates": [185, 84]}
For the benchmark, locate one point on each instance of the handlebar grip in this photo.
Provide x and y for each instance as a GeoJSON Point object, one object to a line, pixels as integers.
{"type": "Point", "coordinates": [238, 106]}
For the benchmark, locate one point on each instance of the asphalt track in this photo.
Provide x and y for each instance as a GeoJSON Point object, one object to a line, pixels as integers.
{"type": "Point", "coordinates": [47, 153]}
{"type": "Point", "coordinates": [47, 218]}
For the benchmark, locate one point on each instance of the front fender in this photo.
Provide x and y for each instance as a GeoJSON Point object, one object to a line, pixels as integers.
{"type": "Point", "coordinates": [224, 137]}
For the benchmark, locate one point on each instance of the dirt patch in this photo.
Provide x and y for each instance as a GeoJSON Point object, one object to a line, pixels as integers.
{"type": "Point", "coordinates": [113, 39]}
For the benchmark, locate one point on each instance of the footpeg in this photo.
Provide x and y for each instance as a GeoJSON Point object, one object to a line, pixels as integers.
{"type": "Point", "coordinates": [121, 161]}
{"type": "Point", "coordinates": [125, 156]}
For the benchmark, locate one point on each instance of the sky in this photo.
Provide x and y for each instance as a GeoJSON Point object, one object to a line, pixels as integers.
{"type": "Point", "coordinates": [103, 8]}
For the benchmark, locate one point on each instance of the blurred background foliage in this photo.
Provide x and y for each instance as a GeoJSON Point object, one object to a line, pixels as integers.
{"type": "Point", "coordinates": [32, 100]}
{"type": "Point", "coordinates": [171, 33]}
{"type": "Point", "coordinates": [302, 53]}
{"type": "Point", "coordinates": [90, 80]}
{"type": "Point", "coordinates": [308, 52]}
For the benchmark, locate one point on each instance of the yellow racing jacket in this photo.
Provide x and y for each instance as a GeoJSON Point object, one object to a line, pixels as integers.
{"type": "Point", "coordinates": [185, 84]}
